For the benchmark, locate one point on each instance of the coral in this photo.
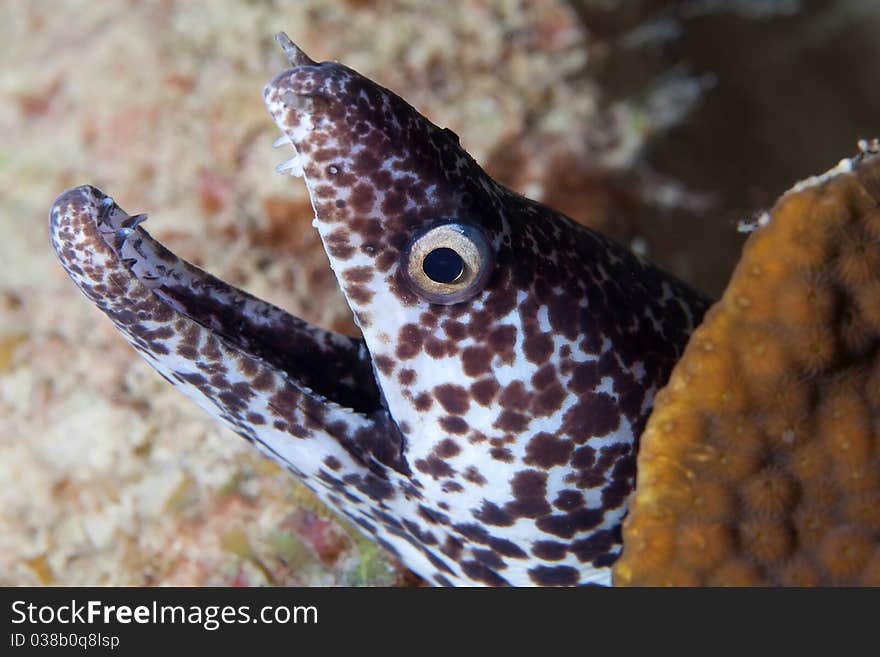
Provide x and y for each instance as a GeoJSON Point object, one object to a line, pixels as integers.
{"type": "Point", "coordinates": [761, 462]}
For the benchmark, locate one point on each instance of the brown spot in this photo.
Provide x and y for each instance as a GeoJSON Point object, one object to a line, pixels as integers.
{"type": "Point", "coordinates": [477, 437]}
{"type": "Point", "coordinates": [568, 524]}
{"type": "Point", "coordinates": [548, 401]}
{"type": "Point", "coordinates": [475, 360]}
{"type": "Point", "coordinates": [247, 365]}
{"type": "Point", "coordinates": [473, 475]}
{"type": "Point", "coordinates": [186, 352]}
{"type": "Point", "coordinates": [437, 348]}
{"type": "Point", "coordinates": [529, 487]}
{"type": "Point", "coordinates": [452, 547]}
{"type": "Point", "coordinates": [362, 197]}
{"type": "Point", "coordinates": [393, 203]}
{"type": "Point", "coordinates": [484, 391]}
{"type": "Point", "coordinates": [433, 517]}
{"type": "Point", "coordinates": [585, 376]}
{"type": "Point", "coordinates": [447, 448]}
{"type": "Point", "coordinates": [423, 401]}
{"type": "Point", "coordinates": [474, 532]}
{"type": "Point", "coordinates": [515, 396]}
{"type": "Point", "coordinates": [563, 316]}
{"type": "Point", "coordinates": [569, 500]}
{"type": "Point", "coordinates": [365, 161]}
{"type": "Point", "coordinates": [428, 320]}
{"type": "Point", "coordinates": [359, 293]}
{"type": "Point", "coordinates": [453, 398]}
{"type": "Point", "coordinates": [338, 244]}
{"type": "Point", "coordinates": [554, 575]}
{"type": "Point", "coordinates": [324, 154]}
{"type": "Point", "coordinates": [501, 301]}
{"type": "Point", "coordinates": [384, 364]}
{"type": "Point", "coordinates": [409, 341]}
{"type": "Point", "coordinates": [361, 274]}
{"type": "Point", "coordinates": [371, 485]}
{"type": "Point", "coordinates": [544, 376]}
{"type": "Point", "coordinates": [364, 320]}
{"type": "Point", "coordinates": [406, 377]}
{"type": "Point", "coordinates": [211, 349]}
{"type": "Point", "coordinates": [454, 424]}
{"type": "Point", "coordinates": [488, 558]}
{"type": "Point", "coordinates": [425, 537]}
{"type": "Point", "coordinates": [455, 330]}
{"type": "Point", "coordinates": [507, 548]}
{"type": "Point", "coordinates": [546, 450]}
{"type": "Point", "coordinates": [386, 260]}
{"type": "Point", "coordinates": [502, 340]}
{"type": "Point", "coordinates": [481, 573]}
{"type": "Point", "coordinates": [480, 322]}
{"type": "Point", "coordinates": [284, 401]}
{"type": "Point", "coordinates": [611, 455]}
{"type": "Point", "coordinates": [594, 415]}
{"type": "Point", "coordinates": [512, 422]}
{"type": "Point", "coordinates": [501, 454]}
{"type": "Point", "coordinates": [381, 179]}
{"type": "Point", "coordinates": [549, 550]}
{"type": "Point", "coordinates": [538, 348]}
{"type": "Point", "coordinates": [594, 546]}
{"type": "Point", "coordinates": [583, 457]}
{"type": "Point", "coordinates": [434, 467]}
{"type": "Point", "coordinates": [491, 514]}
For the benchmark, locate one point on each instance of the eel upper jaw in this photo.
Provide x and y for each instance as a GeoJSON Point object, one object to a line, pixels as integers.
{"type": "Point", "coordinates": [156, 299]}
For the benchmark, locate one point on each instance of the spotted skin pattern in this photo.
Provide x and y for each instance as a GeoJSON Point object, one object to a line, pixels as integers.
{"type": "Point", "coordinates": [489, 442]}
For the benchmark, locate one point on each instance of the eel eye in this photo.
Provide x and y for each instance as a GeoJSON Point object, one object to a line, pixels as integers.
{"type": "Point", "coordinates": [448, 263]}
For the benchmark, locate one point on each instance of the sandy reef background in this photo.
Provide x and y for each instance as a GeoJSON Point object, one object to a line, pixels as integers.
{"type": "Point", "coordinates": [660, 123]}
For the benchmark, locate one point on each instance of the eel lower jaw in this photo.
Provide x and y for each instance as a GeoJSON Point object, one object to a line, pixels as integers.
{"type": "Point", "coordinates": [92, 236]}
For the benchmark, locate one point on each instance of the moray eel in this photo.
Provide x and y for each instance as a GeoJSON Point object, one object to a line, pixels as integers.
{"type": "Point", "coordinates": [484, 429]}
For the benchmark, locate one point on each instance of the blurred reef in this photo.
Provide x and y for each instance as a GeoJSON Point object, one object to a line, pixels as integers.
{"type": "Point", "coordinates": [663, 124]}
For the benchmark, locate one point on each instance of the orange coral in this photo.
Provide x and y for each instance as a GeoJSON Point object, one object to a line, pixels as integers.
{"type": "Point", "coordinates": [761, 461]}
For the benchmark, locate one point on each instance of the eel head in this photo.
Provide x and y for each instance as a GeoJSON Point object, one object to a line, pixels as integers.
{"type": "Point", "coordinates": [483, 430]}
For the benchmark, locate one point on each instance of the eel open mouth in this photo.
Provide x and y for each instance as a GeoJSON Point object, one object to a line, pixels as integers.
{"type": "Point", "coordinates": [147, 291]}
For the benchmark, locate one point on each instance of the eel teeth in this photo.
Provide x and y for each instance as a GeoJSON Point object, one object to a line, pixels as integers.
{"type": "Point", "coordinates": [281, 141]}
{"type": "Point", "coordinates": [293, 165]}
{"type": "Point", "coordinates": [134, 221]}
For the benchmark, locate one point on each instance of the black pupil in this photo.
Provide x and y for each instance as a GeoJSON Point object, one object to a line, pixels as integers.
{"type": "Point", "coordinates": [443, 265]}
